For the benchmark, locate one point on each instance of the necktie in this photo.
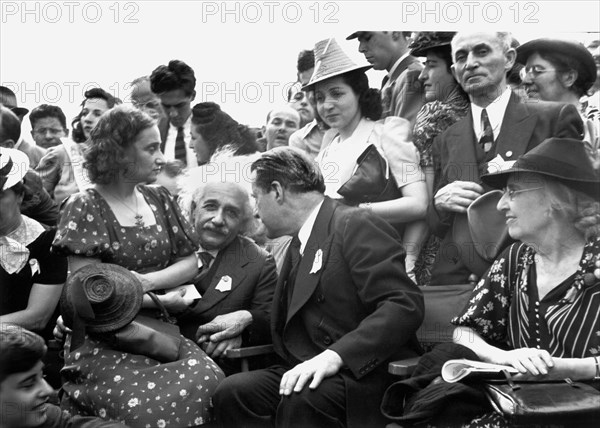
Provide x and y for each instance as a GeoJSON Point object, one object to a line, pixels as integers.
{"type": "Point", "coordinates": [294, 261]}
{"type": "Point", "coordinates": [180, 152]}
{"type": "Point", "coordinates": [206, 258]}
{"type": "Point", "coordinates": [487, 137]}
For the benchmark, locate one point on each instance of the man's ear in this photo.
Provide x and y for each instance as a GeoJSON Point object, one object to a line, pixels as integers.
{"type": "Point", "coordinates": [279, 191]}
{"type": "Point", "coordinates": [8, 144]}
{"type": "Point", "coordinates": [263, 131]}
{"type": "Point", "coordinates": [511, 57]}
{"type": "Point", "coordinates": [193, 96]}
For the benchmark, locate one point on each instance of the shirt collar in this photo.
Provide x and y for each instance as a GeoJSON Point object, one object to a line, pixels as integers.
{"type": "Point", "coordinates": [396, 65]}
{"type": "Point", "coordinates": [307, 227]}
{"type": "Point", "coordinates": [495, 111]}
{"type": "Point", "coordinates": [187, 126]}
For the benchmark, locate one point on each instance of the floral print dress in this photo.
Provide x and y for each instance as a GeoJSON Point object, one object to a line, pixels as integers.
{"type": "Point", "coordinates": [89, 228]}
{"type": "Point", "coordinates": [507, 312]}
{"type": "Point", "coordinates": [134, 389]}
{"type": "Point", "coordinates": [137, 390]}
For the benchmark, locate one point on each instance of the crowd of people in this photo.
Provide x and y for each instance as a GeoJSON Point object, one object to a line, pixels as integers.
{"type": "Point", "coordinates": [139, 251]}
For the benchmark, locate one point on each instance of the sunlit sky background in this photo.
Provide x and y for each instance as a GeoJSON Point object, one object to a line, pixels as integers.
{"type": "Point", "coordinates": [244, 53]}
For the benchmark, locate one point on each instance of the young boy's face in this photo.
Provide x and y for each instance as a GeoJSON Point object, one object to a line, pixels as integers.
{"type": "Point", "coordinates": [23, 398]}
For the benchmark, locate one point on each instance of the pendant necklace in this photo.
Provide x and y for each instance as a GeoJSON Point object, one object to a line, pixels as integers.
{"type": "Point", "coordinates": [139, 219]}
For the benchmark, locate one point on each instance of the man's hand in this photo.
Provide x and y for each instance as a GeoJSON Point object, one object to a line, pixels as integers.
{"type": "Point", "coordinates": [224, 327]}
{"type": "Point", "coordinates": [457, 196]}
{"type": "Point", "coordinates": [216, 349]}
{"type": "Point", "coordinates": [326, 364]}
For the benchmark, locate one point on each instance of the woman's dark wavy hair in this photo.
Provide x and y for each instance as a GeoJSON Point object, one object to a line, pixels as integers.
{"type": "Point", "coordinates": [220, 131]}
{"type": "Point", "coordinates": [113, 135]}
{"type": "Point", "coordinates": [77, 134]}
{"type": "Point", "coordinates": [369, 99]}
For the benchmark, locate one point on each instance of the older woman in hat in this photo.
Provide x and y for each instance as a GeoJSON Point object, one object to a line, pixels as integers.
{"type": "Point", "coordinates": [31, 277]}
{"type": "Point", "coordinates": [561, 71]}
{"type": "Point", "coordinates": [121, 219]}
{"type": "Point", "coordinates": [126, 367]}
{"type": "Point", "coordinates": [61, 169]}
{"type": "Point", "coordinates": [214, 130]}
{"type": "Point", "coordinates": [536, 309]}
{"type": "Point", "coordinates": [446, 103]}
{"type": "Point", "coordinates": [366, 162]}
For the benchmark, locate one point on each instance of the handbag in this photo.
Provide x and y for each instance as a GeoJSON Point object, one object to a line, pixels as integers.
{"type": "Point", "coordinates": [150, 337]}
{"type": "Point", "coordinates": [156, 338]}
{"type": "Point", "coordinates": [372, 181]}
{"type": "Point", "coordinates": [568, 402]}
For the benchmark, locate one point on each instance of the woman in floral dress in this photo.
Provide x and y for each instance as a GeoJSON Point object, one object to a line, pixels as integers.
{"type": "Point", "coordinates": [123, 221]}
{"type": "Point", "coordinates": [537, 308]}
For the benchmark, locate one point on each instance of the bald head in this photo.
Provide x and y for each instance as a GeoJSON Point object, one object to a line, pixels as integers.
{"type": "Point", "coordinates": [282, 121]}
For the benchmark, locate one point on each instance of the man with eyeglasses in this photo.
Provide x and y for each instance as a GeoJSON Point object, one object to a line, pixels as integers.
{"type": "Point", "coordinates": [310, 135]}
{"type": "Point", "coordinates": [498, 127]}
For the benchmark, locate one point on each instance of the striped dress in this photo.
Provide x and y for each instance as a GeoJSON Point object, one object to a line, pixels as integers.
{"type": "Point", "coordinates": [506, 311]}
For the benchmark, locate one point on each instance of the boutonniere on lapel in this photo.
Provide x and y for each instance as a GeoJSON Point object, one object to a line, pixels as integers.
{"type": "Point", "coordinates": [35, 266]}
{"type": "Point", "coordinates": [224, 284]}
{"type": "Point", "coordinates": [317, 262]}
{"type": "Point", "coordinates": [498, 164]}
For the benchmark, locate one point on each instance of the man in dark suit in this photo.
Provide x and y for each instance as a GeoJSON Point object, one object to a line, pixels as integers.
{"type": "Point", "coordinates": [401, 89]}
{"type": "Point", "coordinates": [175, 86]}
{"type": "Point", "coordinates": [498, 124]}
{"type": "Point", "coordinates": [236, 278]}
{"type": "Point", "coordinates": [343, 307]}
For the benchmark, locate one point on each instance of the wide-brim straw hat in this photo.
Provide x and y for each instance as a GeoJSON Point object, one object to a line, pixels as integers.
{"type": "Point", "coordinates": [331, 61]}
{"type": "Point", "coordinates": [14, 164]}
{"type": "Point", "coordinates": [104, 296]}
{"type": "Point", "coordinates": [565, 159]}
{"type": "Point", "coordinates": [586, 67]}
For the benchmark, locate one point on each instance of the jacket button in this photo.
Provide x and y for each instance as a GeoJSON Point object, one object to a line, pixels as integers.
{"type": "Point", "coordinates": [320, 298]}
{"type": "Point", "coordinates": [327, 340]}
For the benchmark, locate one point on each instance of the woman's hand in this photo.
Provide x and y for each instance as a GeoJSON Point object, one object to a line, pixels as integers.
{"type": "Point", "coordinates": [528, 361]}
{"type": "Point", "coordinates": [60, 329]}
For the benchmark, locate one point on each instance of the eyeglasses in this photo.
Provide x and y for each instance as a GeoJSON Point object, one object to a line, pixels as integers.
{"type": "Point", "coordinates": [511, 192]}
{"type": "Point", "coordinates": [535, 71]}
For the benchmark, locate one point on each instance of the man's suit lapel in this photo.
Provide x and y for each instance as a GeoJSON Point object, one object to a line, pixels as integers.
{"type": "Point", "coordinates": [163, 128]}
{"type": "Point", "coordinates": [517, 127]}
{"type": "Point", "coordinates": [231, 262]}
{"type": "Point", "coordinates": [459, 150]}
{"type": "Point", "coordinates": [306, 282]}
